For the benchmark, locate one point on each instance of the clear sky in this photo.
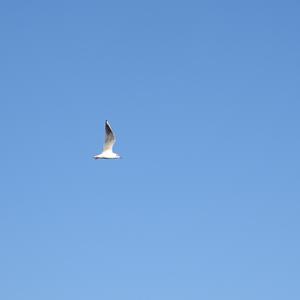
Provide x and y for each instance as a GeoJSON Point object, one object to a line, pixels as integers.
{"type": "Point", "coordinates": [204, 98]}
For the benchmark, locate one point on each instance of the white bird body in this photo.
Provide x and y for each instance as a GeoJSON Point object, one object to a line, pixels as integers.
{"type": "Point", "coordinates": [107, 155]}
{"type": "Point", "coordinates": [109, 142]}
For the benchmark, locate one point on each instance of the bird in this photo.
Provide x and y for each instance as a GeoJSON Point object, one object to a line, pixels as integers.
{"type": "Point", "coordinates": [110, 139]}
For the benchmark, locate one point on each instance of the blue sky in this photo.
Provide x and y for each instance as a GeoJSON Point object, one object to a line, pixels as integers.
{"type": "Point", "coordinates": [204, 99]}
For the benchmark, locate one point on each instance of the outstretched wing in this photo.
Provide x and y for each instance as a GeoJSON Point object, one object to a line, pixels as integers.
{"type": "Point", "coordinates": [109, 138]}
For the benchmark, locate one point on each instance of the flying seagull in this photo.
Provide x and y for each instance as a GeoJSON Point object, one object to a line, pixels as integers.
{"type": "Point", "coordinates": [109, 142]}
